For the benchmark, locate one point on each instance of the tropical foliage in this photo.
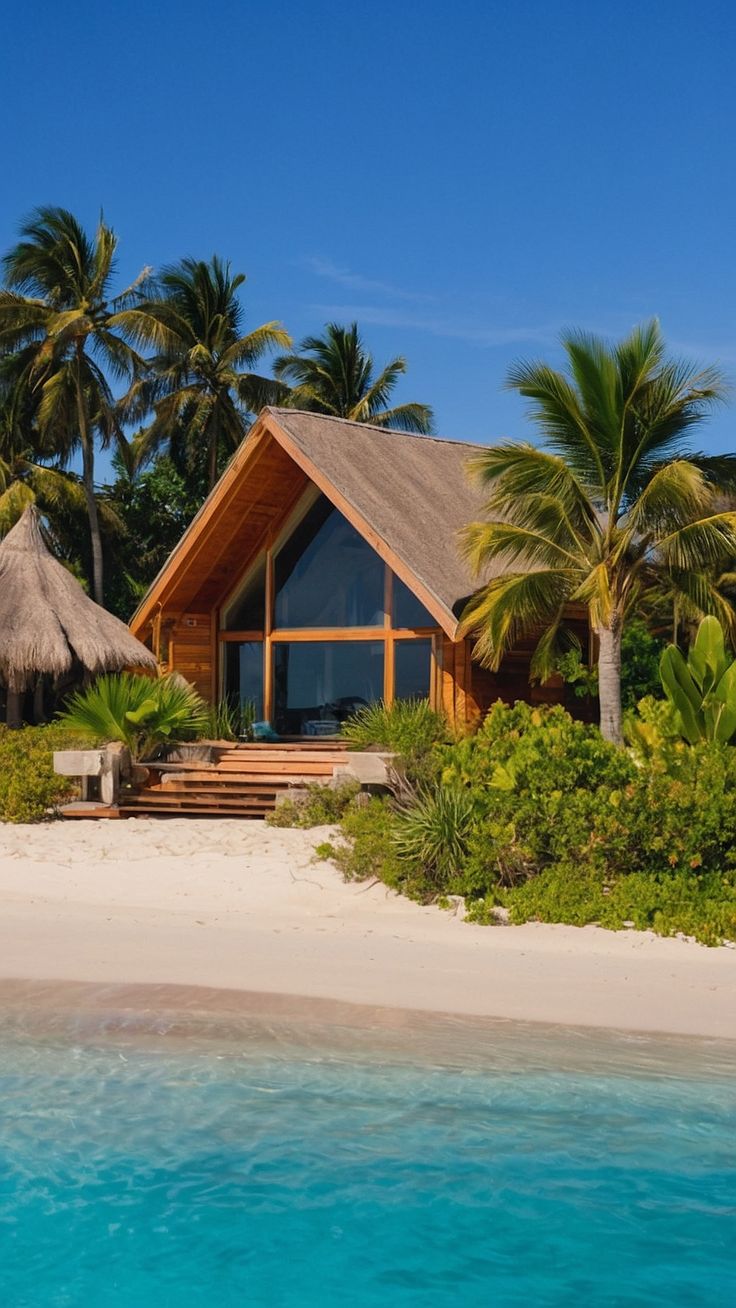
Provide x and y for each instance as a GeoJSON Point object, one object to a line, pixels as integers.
{"type": "Point", "coordinates": [537, 816]}
{"type": "Point", "coordinates": [200, 382]}
{"type": "Point", "coordinates": [65, 342]}
{"type": "Point", "coordinates": [335, 374]}
{"type": "Point", "coordinates": [612, 506]}
{"type": "Point", "coordinates": [141, 712]}
{"type": "Point", "coordinates": [171, 358]}
{"type": "Point", "coordinates": [30, 790]}
{"type": "Point", "coordinates": [702, 688]}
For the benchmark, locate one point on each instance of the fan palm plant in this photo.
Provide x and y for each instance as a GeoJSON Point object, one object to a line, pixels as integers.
{"type": "Point", "coordinates": [61, 321]}
{"type": "Point", "coordinates": [199, 384]}
{"type": "Point", "coordinates": [335, 374]}
{"type": "Point", "coordinates": [611, 507]}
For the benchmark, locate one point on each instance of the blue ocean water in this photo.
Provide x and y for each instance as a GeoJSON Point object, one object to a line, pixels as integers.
{"type": "Point", "coordinates": [274, 1163]}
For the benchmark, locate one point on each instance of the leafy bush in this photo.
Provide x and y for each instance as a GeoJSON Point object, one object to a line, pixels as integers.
{"type": "Point", "coordinates": [701, 906]}
{"type": "Point", "coordinates": [366, 849]}
{"type": "Point", "coordinates": [409, 728]}
{"type": "Point", "coordinates": [433, 833]}
{"type": "Point", "coordinates": [538, 813]}
{"type": "Point", "coordinates": [29, 787]}
{"type": "Point", "coordinates": [143, 713]}
{"type": "Point", "coordinates": [321, 806]}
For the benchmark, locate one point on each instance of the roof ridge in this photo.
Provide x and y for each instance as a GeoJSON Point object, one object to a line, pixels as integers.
{"type": "Point", "coordinates": [278, 409]}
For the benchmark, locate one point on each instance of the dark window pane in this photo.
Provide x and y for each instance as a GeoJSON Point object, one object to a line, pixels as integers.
{"type": "Point", "coordinates": [326, 575]}
{"type": "Point", "coordinates": [408, 611]}
{"type": "Point", "coordinates": [317, 684]}
{"type": "Point", "coordinates": [412, 669]}
{"type": "Point", "coordinates": [247, 611]}
{"type": "Point", "coordinates": [244, 673]}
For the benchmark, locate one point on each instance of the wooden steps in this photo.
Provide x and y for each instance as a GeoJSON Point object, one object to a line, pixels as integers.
{"type": "Point", "coordinates": [242, 781]}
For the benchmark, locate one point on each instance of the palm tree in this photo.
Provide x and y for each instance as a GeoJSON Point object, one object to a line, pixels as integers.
{"type": "Point", "coordinates": [334, 374]}
{"type": "Point", "coordinates": [199, 384]}
{"type": "Point", "coordinates": [611, 508]}
{"type": "Point", "coordinates": [59, 318]}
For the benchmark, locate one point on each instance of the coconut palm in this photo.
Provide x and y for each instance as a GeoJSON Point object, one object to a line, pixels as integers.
{"type": "Point", "coordinates": [335, 374]}
{"type": "Point", "coordinates": [611, 507]}
{"type": "Point", "coordinates": [60, 321]}
{"type": "Point", "coordinates": [200, 383]}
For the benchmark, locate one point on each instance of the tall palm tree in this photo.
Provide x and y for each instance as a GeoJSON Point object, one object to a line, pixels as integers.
{"type": "Point", "coordinates": [200, 383]}
{"type": "Point", "coordinates": [335, 374]}
{"type": "Point", "coordinates": [610, 508]}
{"type": "Point", "coordinates": [60, 318]}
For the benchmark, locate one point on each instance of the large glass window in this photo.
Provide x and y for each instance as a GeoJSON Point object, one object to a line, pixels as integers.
{"type": "Point", "coordinates": [412, 669]}
{"type": "Point", "coordinates": [408, 610]}
{"type": "Point", "coordinates": [247, 611]}
{"type": "Point", "coordinates": [326, 575]}
{"type": "Point", "coordinates": [317, 684]}
{"type": "Point", "coordinates": [244, 673]}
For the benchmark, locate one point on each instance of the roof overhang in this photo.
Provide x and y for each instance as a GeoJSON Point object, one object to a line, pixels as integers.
{"type": "Point", "coordinates": [228, 504]}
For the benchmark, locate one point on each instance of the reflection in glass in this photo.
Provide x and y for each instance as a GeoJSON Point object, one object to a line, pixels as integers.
{"type": "Point", "coordinates": [408, 611]}
{"type": "Point", "coordinates": [326, 575]}
{"type": "Point", "coordinates": [248, 610]}
{"type": "Point", "coordinates": [317, 684]}
{"type": "Point", "coordinates": [412, 669]}
{"type": "Point", "coordinates": [244, 673]}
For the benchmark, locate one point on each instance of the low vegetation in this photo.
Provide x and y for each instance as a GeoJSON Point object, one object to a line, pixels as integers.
{"type": "Point", "coordinates": [536, 816]}
{"type": "Point", "coordinates": [318, 806]}
{"type": "Point", "coordinates": [141, 712]}
{"type": "Point", "coordinates": [30, 790]}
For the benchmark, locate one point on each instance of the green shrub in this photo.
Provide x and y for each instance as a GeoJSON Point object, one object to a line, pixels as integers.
{"type": "Point", "coordinates": [29, 787]}
{"type": "Point", "coordinates": [700, 906]}
{"type": "Point", "coordinates": [230, 719]}
{"type": "Point", "coordinates": [366, 849]}
{"type": "Point", "coordinates": [433, 833]}
{"type": "Point", "coordinates": [539, 814]}
{"type": "Point", "coordinates": [142, 712]}
{"type": "Point", "coordinates": [409, 728]}
{"type": "Point", "coordinates": [320, 806]}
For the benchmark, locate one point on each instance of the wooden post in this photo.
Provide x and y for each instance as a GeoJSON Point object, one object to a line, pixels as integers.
{"type": "Point", "coordinates": [267, 642]}
{"type": "Point", "coordinates": [388, 648]}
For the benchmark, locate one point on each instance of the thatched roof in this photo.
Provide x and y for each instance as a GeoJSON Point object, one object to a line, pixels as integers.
{"type": "Point", "coordinates": [47, 623]}
{"type": "Point", "coordinates": [409, 495]}
{"type": "Point", "coordinates": [415, 491]}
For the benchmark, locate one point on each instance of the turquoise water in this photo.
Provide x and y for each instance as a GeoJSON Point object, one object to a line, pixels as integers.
{"type": "Point", "coordinates": [268, 1163]}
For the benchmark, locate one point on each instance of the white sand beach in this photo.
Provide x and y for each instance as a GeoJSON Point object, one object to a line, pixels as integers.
{"type": "Point", "coordinates": [240, 906]}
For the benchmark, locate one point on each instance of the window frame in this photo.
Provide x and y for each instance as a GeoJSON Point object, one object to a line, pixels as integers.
{"type": "Point", "coordinates": [272, 636]}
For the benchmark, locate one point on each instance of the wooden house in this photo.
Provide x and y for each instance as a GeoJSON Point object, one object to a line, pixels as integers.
{"type": "Point", "coordinates": [323, 573]}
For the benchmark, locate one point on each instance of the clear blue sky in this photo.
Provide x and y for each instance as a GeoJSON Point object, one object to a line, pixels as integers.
{"type": "Point", "coordinates": [464, 178]}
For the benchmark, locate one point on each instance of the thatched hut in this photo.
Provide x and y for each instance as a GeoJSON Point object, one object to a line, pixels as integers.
{"type": "Point", "coordinates": [49, 628]}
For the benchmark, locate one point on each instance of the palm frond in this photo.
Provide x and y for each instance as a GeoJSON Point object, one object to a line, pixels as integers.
{"type": "Point", "coordinates": [511, 607]}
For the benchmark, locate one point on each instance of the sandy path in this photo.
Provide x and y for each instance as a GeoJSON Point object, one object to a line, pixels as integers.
{"type": "Point", "coordinates": [238, 905]}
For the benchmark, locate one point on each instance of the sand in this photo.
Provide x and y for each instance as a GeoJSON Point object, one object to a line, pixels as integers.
{"type": "Point", "coordinates": [240, 906]}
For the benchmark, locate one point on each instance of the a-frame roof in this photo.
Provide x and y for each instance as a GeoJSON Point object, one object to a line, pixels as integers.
{"type": "Point", "coordinates": [409, 496]}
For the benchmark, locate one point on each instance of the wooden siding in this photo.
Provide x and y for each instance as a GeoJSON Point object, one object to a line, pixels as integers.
{"type": "Point", "coordinates": [191, 651]}
{"type": "Point", "coordinates": [467, 690]}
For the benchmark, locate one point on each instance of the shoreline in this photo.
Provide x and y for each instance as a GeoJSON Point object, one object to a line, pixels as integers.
{"type": "Point", "coordinates": [229, 906]}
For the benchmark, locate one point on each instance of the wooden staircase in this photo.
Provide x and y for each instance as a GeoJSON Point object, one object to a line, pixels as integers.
{"type": "Point", "coordinates": [241, 781]}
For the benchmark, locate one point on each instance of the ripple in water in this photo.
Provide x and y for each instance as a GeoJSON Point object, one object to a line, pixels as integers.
{"type": "Point", "coordinates": [263, 1161]}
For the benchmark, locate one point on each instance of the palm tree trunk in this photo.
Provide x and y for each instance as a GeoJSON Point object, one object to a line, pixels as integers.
{"type": "Point", "coordinates": [609, 680]}
{"type": "Point", "coordinates": [212, 461]}
{"type": "Point", "coordinates": [88, 479]}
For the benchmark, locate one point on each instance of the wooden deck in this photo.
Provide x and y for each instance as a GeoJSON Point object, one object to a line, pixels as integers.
{"type": "Point", "coordinates": [241, 781]}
